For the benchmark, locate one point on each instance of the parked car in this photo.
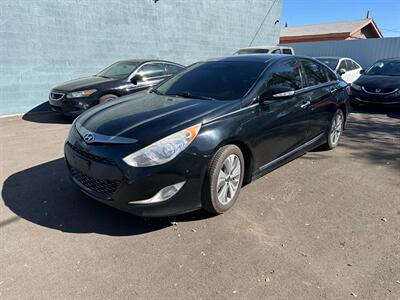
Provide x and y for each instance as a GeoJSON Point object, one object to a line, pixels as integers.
{"type": "Point", "coordinates": [194, 140]}
{"type": "Point", "coordinates": [266, 50]}
{"type": "Point", "coordinates": [380, 84]}
{"type": "Point", "coordinates": [345, 67]}
{"type": "Point", "coordinates": [119, 79]}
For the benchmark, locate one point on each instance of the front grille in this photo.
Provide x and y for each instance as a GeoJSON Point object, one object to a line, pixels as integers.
{"type": "Point", "coordinates": [56, 96]}
{"type": "Point", "coordinates": [91, 156]}
{"type": "Point", "coordinates": [378, 90]}
{"type": "Point", "coordinates": [102, 186]}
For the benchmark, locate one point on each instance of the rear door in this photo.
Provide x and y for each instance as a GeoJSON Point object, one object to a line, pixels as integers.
{"type": "Point", "coordinates": [321, 88]}
{"type": "Point", "coordinates": [281, 124]}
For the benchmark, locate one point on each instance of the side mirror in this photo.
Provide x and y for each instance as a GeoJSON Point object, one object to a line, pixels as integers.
{"type": "Point", "coordinates": [342, 71]}
{"type": "Point", "coordinates": [277, 93]}
{"type": "Point", "coordinates": [137, 78]}
{"type": "Point", "coordinates": [362, 71]}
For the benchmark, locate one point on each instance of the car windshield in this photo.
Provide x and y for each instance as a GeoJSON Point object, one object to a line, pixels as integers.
{"type": "Point", "coordinates": [388, 68]}
{"type": "Point", "coordinates": [330, 62]}
{"type": "Point", "coordinates": [253, 51]}
{"type": "Point", "coordinates": [118, 70]}
{"type": "Point", "coordinates": [223, 80]}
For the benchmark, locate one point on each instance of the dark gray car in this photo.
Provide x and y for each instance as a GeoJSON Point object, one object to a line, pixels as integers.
{"type": "Point", "coordinates": [121, 78]}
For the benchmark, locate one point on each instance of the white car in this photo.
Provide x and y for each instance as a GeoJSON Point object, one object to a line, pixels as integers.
{"type": "Point", "coordinates": [266, 50]}
{"type": "Point", "coordinates": [345, 67]}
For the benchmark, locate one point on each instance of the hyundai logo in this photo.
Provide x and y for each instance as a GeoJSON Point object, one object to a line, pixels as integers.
{"type": "Point", "coordinates": [89, 138]}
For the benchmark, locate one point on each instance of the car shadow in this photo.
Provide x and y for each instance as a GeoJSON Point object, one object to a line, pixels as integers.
{"type": "Point", "coordinates": [45, 196]}
{"type": "Point", "coordinates": [392, 112]}
{"type": "Point", "coordinates": [43, 114]}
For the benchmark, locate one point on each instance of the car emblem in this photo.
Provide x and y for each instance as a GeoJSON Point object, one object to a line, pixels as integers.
{"type": "Point", "coordinates": [89, 138]}
{"type": "Point", "coordinates": [378, 90]}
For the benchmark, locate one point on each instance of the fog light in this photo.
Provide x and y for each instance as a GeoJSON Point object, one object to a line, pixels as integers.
{"type": "Point", "coordinates": [163, 195]}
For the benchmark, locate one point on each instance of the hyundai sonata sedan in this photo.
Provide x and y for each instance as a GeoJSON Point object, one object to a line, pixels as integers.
{"type": "Point", "coordinates": [194, 140]}
{"type": "Point", "coordinates": [379, 85]}
{"type": "Point", "coordinates": [121, 78]}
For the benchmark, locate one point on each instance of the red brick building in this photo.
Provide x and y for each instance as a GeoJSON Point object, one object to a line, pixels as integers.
{"type": "Point", "coordinates": [350, 30]}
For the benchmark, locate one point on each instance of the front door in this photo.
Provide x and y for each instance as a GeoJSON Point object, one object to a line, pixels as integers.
{"type": "Point", "coordinates": [281, 124]}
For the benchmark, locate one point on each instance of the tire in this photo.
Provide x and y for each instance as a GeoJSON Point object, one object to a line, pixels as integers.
{"type": "Point", "coordinates": [335, 130]}
{"type": "Point", "coordinates": [219, 192]}
{"type": "Point", "coordinates": [107, 98]}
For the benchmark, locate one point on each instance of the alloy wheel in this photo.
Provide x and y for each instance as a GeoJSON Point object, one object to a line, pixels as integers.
{"type": "Point", "coordinates": [228, 179]}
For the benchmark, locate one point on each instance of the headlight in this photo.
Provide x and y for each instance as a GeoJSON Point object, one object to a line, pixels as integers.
{"type": "Point", "coordinates": [80, 94]}
{"type": "Point", "coordinates": [163, 150]}
{"type": "Point", "coordinates": [356, 87]}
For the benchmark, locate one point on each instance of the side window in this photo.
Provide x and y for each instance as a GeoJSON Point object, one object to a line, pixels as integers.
{"type": "Point", "coordinates": [276, 51]}
{"type": "Point", "coordinates": [152, 70]}
{"type": "Point", "coordinates": [353, 65]}
{"type": "Point", "coordinates": [331, 76]}
{"type": "Point", "coordinates": [315, 74]}
{"type": "Point", "coordinates": [287, 51]}
{"type": "Point", "coordinates": [172, 69]}
{"type": "Point", "coordinates": [286, 75]}
{"type": "Point", "coordinates": [343, 65]}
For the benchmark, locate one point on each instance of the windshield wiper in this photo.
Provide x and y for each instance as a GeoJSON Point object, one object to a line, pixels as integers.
{"type": "Point", "coordinates": [103, 76]}
{"type": "Point", "coordinates": [190, 95]}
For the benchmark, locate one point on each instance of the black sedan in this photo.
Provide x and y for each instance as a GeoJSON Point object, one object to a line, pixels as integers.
{"type": "Point", "coordinates": [379, 85]}
{"type": "Point", "coordinates": [194, 140]}
{"type": "Point", "coordinates": [119, 79]}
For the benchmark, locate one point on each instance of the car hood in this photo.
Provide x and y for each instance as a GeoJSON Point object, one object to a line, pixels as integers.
{"type": "Point", "coordinates": [379, 81]}
{"type": "Point", "coordinates": [82, 83]}
{"type": "Point", "coordinates": [147, 117]}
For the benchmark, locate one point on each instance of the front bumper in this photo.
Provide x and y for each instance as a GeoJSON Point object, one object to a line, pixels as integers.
{"type": "Point", "coordinates": [98, 174]}
{"type": "Point", "coordinates": [71, 106]}
{"type": "Point", "coordinates": [376, 99]}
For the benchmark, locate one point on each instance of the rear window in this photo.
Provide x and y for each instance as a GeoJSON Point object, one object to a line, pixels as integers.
{"type": "Point", "coordinates": [287, 51]}
{"type": "Point", "coordinates": [330, 62]}
{"type": "Point", "coordinates": [315, 73]}
{"type": "Point", "coordinates": [222, 80]}
{"type": "Point", "coordinates": [253, 51]}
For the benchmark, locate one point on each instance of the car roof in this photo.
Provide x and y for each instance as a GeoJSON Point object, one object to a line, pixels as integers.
{"type": "Point", "coordinates": [142, 61]}
{"type": "Point", "coordinates": [264, 47]}
{"type": "Point", "coordinates": [262, 58]}
{"type": "Point", "coordinates": [395, 59]}
{"type": "Point", "coordinates": [329, 57]}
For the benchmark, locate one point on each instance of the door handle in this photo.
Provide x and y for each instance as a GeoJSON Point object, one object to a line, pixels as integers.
{"type": "Point", "coordinates": [333, 90]}
{"type": "Point", "coordinates": [305, 104]}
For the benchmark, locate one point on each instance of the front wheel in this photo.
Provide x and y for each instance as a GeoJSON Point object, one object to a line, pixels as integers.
{"type": "Point", "coordinates": [224, 181]}
{"type": "Point", "coordinates": [336, 130]}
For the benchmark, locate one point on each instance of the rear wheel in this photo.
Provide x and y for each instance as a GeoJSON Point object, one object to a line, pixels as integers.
{"type": "Point", "coordinates": [224, 181]}
{"type": "Point", "coordinates": [107, 98]}
{"type": "Point", "coordinates": [336, 130]}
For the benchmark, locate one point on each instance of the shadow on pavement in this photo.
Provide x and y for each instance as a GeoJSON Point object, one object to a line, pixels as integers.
{"type": "Point", "coordinates": [375, 138]}
{"type": "Point", "coordinates": [392, 112]}
{"type": "Point", "coordinates": [43, 114]}
{"type": "Point", "coordinates": [45, 195]}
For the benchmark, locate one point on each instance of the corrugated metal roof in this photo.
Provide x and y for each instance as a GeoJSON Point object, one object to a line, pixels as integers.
{"type": "Point", "coordinates": [326, 28]}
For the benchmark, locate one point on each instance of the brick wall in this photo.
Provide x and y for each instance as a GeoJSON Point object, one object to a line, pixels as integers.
{"type": "Point", "coordinates": [46, 42]}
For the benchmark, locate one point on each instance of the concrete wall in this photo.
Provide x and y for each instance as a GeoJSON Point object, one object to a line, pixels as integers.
{"type": "Point", "coordinates": [46, 42]}
{"type": "Point", "coordinates": [365, 52]}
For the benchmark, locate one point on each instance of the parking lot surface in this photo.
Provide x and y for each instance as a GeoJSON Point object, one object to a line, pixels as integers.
{"type": "Point", "coordinates": [324, 226]}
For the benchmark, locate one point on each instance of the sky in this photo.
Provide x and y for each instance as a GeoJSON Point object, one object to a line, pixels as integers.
{"type": "Point", "coordinates": [386, 13]}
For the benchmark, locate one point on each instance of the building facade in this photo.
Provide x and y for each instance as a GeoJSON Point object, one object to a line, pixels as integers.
{"type": "Point", "coordinates": [44, 43]}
